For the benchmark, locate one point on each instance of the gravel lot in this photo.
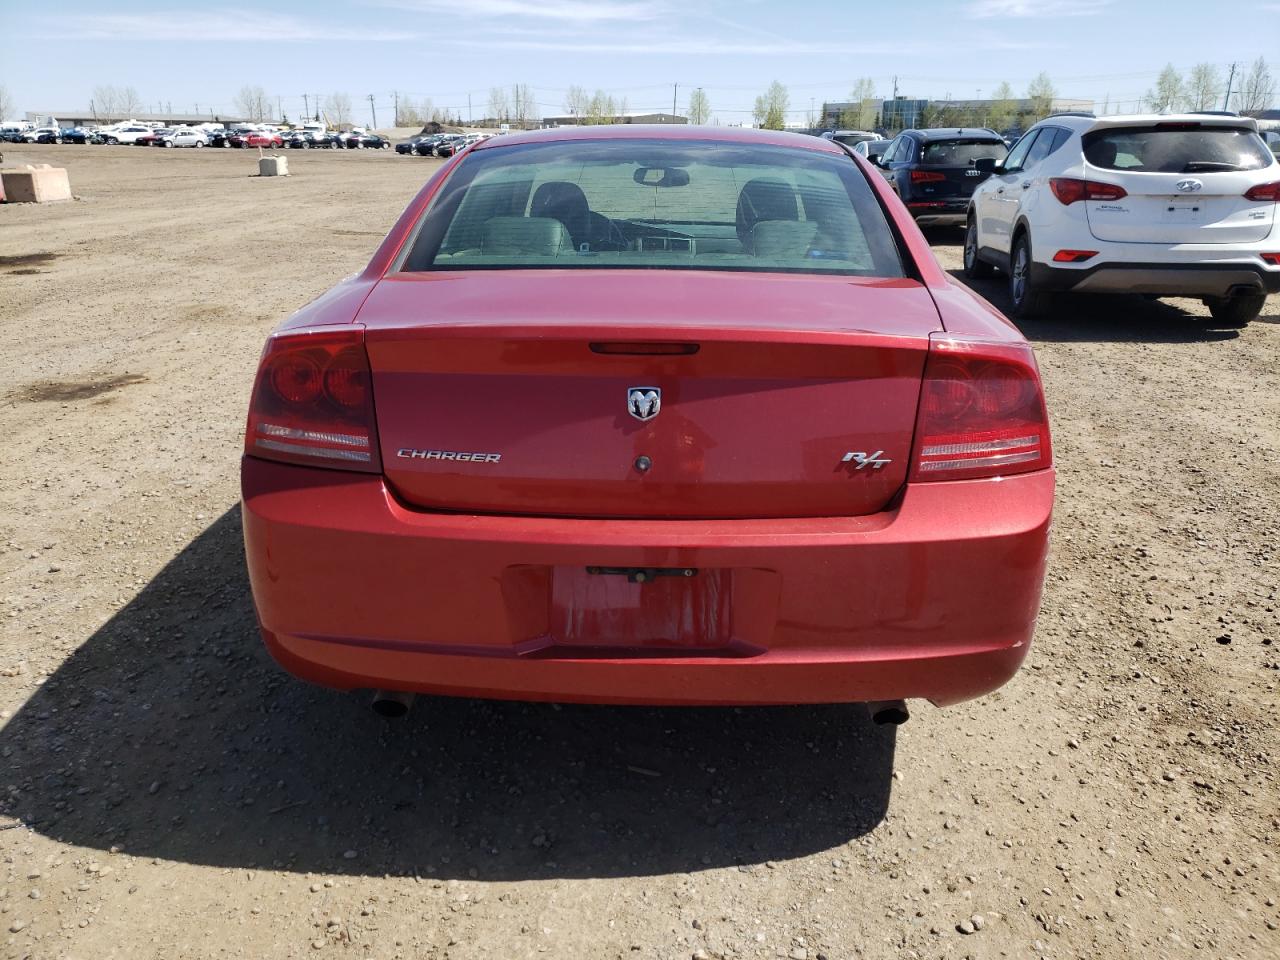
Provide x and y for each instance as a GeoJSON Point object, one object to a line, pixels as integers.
{"type": "Point", "coordinates": [166, 792]}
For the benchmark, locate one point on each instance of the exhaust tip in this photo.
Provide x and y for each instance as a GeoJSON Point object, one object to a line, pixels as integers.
{"type": "Point", "coordinates": [892, 713]}
{"type": "Point", "coordinates": [392, 704]}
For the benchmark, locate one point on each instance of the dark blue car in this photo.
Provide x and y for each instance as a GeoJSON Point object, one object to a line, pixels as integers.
{"type": "Point", "coordinates": [934, 172]}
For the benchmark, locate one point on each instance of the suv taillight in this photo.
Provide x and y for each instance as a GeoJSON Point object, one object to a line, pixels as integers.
{"type": "Point", "coordinates": [1069, 190]}
{"type": "Point", "coordinates": [981, 412]}
{"type": "Point", "coordinates": [313, 401]}
{"type": "Point", "coordinates": [1264, 191]}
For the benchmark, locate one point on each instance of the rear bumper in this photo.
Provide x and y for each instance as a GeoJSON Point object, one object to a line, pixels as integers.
{"type": "Point", "coordinates": [1212, 279]}
{"type": "Point", "coordinates": [935, 599]}
{"type": "Point", "coordinates": [953, 211]}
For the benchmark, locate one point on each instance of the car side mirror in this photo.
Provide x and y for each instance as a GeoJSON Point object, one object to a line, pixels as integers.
{"type": "Point", "coordinates": [987, 165]}
{"type": "Point", "coordinates": [875, 160]}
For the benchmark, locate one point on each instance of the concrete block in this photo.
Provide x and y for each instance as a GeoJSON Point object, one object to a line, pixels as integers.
{"type": "Point", "coordinates": [273, 167]}
{"type": "Point", "coordinates": [35, 184]}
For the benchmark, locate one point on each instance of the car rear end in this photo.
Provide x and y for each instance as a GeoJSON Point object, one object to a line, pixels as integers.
{"type": "Point", "coordinates": [1178, 206]}
{"type": "Point", "coordinates": [937, 187]}
{"type": "Point", "coordinates": [611, 471]}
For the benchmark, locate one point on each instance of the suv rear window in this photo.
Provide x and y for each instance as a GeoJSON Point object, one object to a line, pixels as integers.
{"type": "Point", "coordinates": [1176, 148]}
{"type": "Point", "coordinates": [620, 204]}
{"type": "Point", "coordinates": [962, 153]}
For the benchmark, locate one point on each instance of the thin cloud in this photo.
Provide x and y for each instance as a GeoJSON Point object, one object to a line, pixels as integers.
{"type": "Point", "coordinates": [230, 24]}
{"type": "Point", "coordinates": [680, 46]}
{"type": "Point", "coordinates": [1033, 9]}
{"type": "Point", "coordinates": [560, 11]}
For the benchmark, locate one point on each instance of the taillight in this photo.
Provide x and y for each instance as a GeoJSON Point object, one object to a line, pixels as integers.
{"type": "Point", "coordinates": [926, 176]}
{"type": "Point", "coordinates": [1069, 190]}
{"type": "Point", "coordinates": [1264, 191]}
{"type": "Point", "coordinates": [313, 401]}
{"type": "Point", "coordinates": [981, 412]}
{"type": "Point", "coordinates": [1272, 258]}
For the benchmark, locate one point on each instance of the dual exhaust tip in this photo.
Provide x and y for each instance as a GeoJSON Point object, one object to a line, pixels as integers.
{"type": "Point", "coordinates": [394, 704]}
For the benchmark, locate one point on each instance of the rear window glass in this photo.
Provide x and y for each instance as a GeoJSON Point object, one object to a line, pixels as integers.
{"type": "Point", "coordinates": [962, 152]}
{"type": "Point", "coordinates": [696, 205]}
{"type": "Point", "coordinates": [852, 139]}
{"type": "Point", "coordinates": [1176, 149]}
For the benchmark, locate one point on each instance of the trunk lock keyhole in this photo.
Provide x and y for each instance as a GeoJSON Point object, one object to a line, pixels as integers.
{"type": "Point", "coordinates": [643, 464]}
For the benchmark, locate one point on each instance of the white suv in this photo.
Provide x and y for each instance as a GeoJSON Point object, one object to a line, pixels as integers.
{"type": "Point", "coordinates": [1182, 205]}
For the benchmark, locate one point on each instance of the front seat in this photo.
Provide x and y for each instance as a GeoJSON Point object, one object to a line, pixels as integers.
{"type": "Point", "coordinates": [565, 201]}
{"type": "Point", "coordinates": [764, 198]}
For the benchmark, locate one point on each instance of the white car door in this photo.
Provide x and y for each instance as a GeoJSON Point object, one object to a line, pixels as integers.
{"type": "Point", "coordinates": [1003, 194]}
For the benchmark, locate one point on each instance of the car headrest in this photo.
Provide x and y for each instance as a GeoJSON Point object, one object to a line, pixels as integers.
{"type": "Point", "coordinates": [563, 201]}
{"type": "Point", "coordinates": [1102, 153]}
{"type": "Point", "coordinates": [764, 198]}
{"type": "Point", "coordinates": [524, 236]}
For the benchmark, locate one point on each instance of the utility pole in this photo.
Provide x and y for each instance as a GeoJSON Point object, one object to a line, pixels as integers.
{"type": "Point", "coordinates": [1227, 99]}
{"type": "Point", "coordinates": [306, 106]}
{"type": "Point", "coordinates": [468, 109]}
{"type": "Point", "coordinates": [396, 95]}
{"type": "Point", "coordinates": [674, 88]}
{"type": "Point", "coordinates": [279, 109]}
{"type": "Point", "coordinates": [373, 110]}
{"type": "Point", "coordinates": [317, 96]}
{"type": "Point", "coordinates": [895, 88]}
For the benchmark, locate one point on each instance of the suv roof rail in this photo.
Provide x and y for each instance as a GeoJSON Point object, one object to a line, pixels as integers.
{"type": "Point", "coordinates": [1215, 113]}
{"type": "Point", "coordinates": [1072, 113]}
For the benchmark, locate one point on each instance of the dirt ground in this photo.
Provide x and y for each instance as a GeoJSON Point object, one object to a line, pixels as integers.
{"type": "Point", "coordinates": [165, 791]}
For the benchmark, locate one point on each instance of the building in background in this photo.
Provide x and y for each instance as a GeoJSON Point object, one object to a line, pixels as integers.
{"type": "Point", "coordinates": [905, 113]}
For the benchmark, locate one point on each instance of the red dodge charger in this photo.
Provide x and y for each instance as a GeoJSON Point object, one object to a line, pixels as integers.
{"type": "Point", "coordinates": [658, 415]}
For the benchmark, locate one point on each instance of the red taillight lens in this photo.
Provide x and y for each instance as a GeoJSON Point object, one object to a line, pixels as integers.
{"type": "Point", "coordinates": [1069, 190]}
{"type": "Point", "coordinates": [981, 412]}
{"type": "Point", "coordinates": [313, 401]}
{"type": "Point", "coordinates": [1272, 258]}
{"type": "Point", "coordinates": [1264, 191]}
{"type": "Point", "coordinates": [927, 176]}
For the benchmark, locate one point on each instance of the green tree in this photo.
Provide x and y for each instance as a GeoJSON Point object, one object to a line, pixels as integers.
{"type": "Point", "coordinates": [1041, 93]}
{"type": "Point", "coordinates": [1004, 108]}
{"type": "Point", "coordinates": [1168, 93]}
{"type": "Point", "coordinates": [699, 107]}
{"type": "Point", "coordinates": [863, 97]}
{"type": "Point", "coordinates": [771, 107]}
{"type": "Point", "coordinates": [1204, 87]}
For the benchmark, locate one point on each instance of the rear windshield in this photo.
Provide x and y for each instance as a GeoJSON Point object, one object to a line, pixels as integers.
{"type": "Point", "coordinates": [656, 204]}
{"type": "Point", "coordinates": [1176, 148]}
{"type": "Point", "coordinates": [962, 153]}
{"type": "Point", "coordinates": [852, 139]}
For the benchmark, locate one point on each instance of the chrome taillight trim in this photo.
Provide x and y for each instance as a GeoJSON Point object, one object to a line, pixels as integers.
{"type": "Point", "coordinates": [315, 436]}
{"type": "Point", "coordinates": [974, 462]}
{"type": "Point", "coordinates": [980, 446]}
{"type": "Point", "coordinates": [358, 456]}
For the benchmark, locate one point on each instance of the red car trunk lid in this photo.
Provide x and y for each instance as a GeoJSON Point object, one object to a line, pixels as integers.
{"type": "Point", "coordinates": [759, 395]}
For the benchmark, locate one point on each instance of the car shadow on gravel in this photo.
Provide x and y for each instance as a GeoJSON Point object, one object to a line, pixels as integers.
{"type": "Point", "coordinates": [1103, 318]}
{"type": "Point", "coordinates": [171, 734]}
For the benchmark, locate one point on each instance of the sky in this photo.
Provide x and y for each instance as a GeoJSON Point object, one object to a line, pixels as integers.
{"type": "Point", "coordinates": [189, 56]}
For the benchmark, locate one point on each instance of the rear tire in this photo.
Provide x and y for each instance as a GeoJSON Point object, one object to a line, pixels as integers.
{"type": "Point", "coordinates": [1027, 299]}
{"type": "Point", "coordinates": [1235, 311]}
{"type": "Point", "coordinates": [975, 268]}
{"type": "Point", "coordinates": [199, 144]}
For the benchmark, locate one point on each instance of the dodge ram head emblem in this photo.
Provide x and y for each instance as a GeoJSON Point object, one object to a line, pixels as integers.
{"type": "Point", "coordinates": [1189, 185]}
{"type": "Point", "coordinates": [643, 403]}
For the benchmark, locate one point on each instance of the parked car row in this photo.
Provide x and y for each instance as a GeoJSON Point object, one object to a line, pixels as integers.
{"type": "Point", "coordinates": [438, 144]}
{"type": "Point", "coordinates": [211, 135]}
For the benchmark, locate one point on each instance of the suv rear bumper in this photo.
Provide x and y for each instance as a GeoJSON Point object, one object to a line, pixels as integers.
{"type": "Point", "coordinates": [1214, 279]}
{"type": "Point", "coordinates": [951, 212]}
{"type": "Point", "coordinates": [936, 598]}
